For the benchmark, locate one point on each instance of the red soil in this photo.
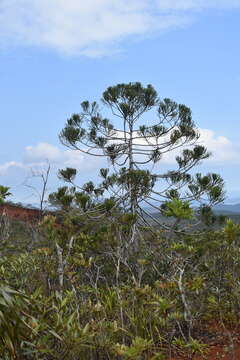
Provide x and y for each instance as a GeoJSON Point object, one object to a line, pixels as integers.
{"type": "Point", "coordinates": [225, 345]}
{"type": "Point", "coordinates": [222, 352]}
{"type": "Point", "coordinates": [20, 213]}
{"type": "Point", "coordinates": [217, 352]}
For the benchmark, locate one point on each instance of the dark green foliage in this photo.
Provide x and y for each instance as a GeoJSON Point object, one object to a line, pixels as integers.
{"type": "Point", "coordinates": [68, 174]}
{"type": "Point", "coordinates": [13, 328]}
{"type": "Point", "coordinates": [4, 193]}
{"type": "Point", "coordinates": [63, 197]}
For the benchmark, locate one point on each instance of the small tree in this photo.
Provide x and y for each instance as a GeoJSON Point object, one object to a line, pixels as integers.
{"type": "Point", "coordinates": [4, 193]}
{"type": "Point", "coordinates": [4, 221]}
{"type": "Point", "coordinates": [43, 176]}
{"type": "Point", "coordinates": [132, 144]}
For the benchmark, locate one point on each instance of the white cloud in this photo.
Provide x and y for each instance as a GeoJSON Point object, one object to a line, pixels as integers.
{"type": "Point", "coordinates": [93, 27]}
{"type": "Point", "coordinates": [37, 156]}
{"type": "Point", "coordinates": [196, 4]}
{"type": "Point", "coordinates": [222, 149]}
{"type": "Point", "coordinates": [75, 26]}
{"type": "Point", "coordinates": [6, 167]}
{"type": "Point", "coordinates": [42, 152]}
{"type": "Point", "coordinates": [224, 152]}
{"type": "Point", "coordinates": [15, 174]}
{"type": "Point", "coordinates": [24, 177]}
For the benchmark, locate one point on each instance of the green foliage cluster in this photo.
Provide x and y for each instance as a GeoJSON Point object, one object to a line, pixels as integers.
{"type": "Point", "coordinates": [4, 193]}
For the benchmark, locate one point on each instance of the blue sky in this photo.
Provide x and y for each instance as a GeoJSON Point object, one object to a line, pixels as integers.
{"type": "Point", "coordinates": [55, 54]}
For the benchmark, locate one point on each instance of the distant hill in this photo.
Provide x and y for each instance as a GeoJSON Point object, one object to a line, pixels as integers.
{"type": "Point", "coordinates": [221, 209]}
{"type": "Point", "coordinates": [227, 209]}
{"type": "Point", "coordinates": [231, 211]}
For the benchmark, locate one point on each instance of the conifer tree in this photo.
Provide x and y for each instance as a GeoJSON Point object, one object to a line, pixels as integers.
{"type": "Point", "coordinates": [138, 130]}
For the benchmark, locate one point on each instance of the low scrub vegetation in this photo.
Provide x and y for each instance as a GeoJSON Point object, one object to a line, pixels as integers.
{"type": "Point", "coordinates": [104, 277]}
{"type": "Point", "coordinates": [84, 295]}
